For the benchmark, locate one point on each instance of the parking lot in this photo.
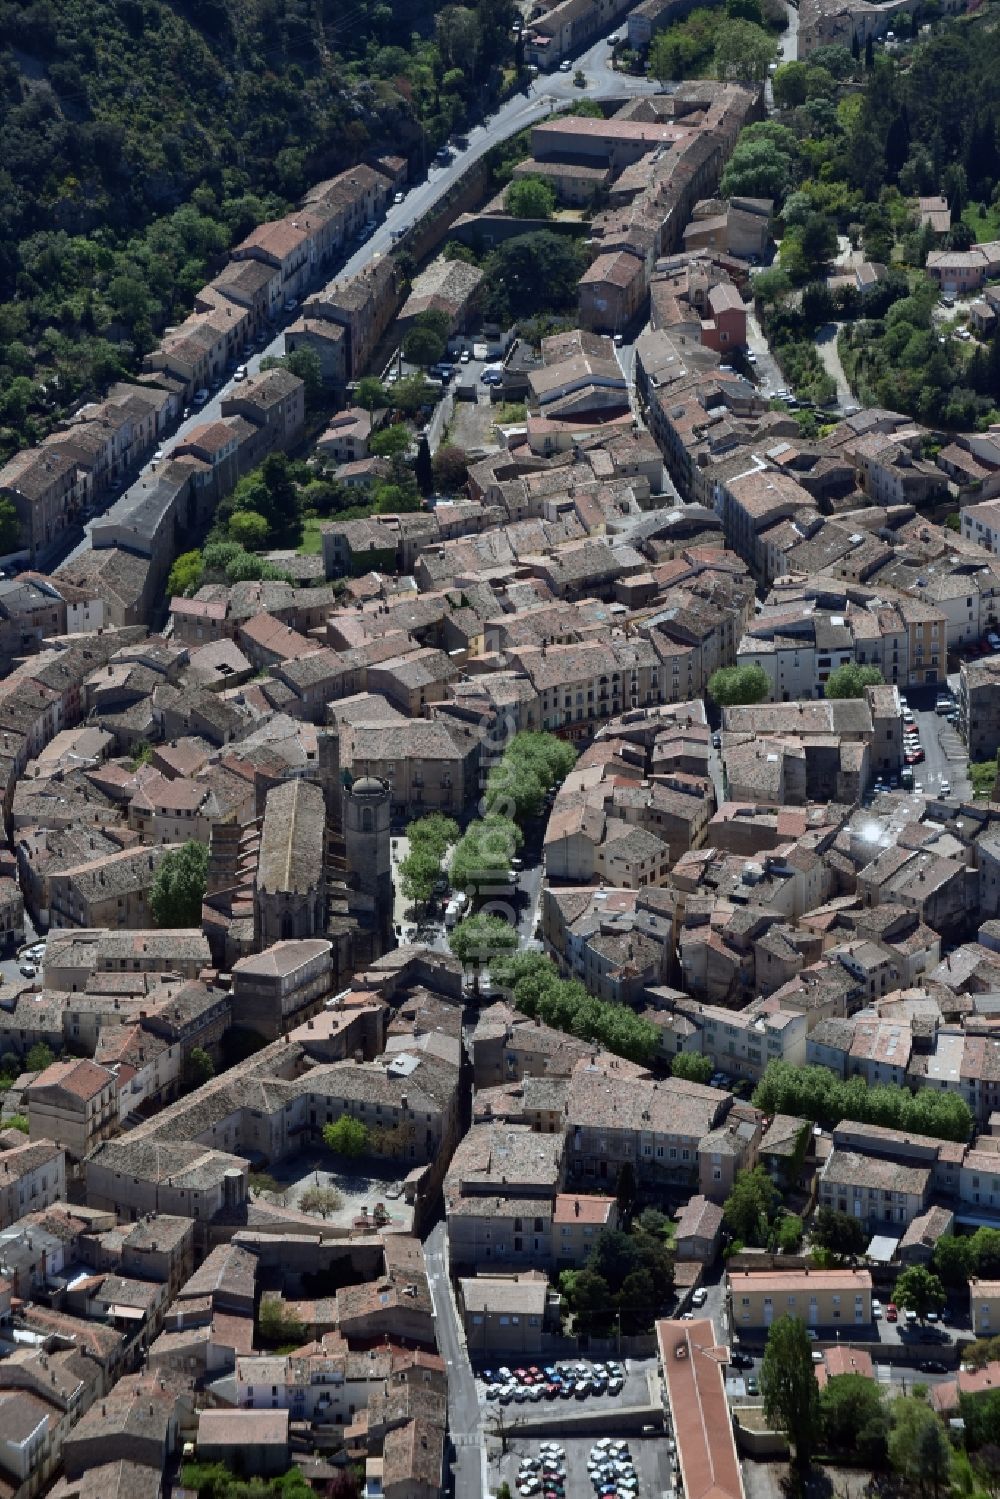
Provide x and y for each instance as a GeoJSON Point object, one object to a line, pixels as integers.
{"type": "Point", "coordinates": [643, 1467]}
{"type": "Point", "coordinates": [575, 1377]}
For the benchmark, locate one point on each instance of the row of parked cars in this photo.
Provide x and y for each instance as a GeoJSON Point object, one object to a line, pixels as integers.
{"type": "Point", "coordinates": [543, 1475]}
{"type": "Point", "coordinates": [564, 1381]}
{"type": "Point", "coordinates": [30, 959]}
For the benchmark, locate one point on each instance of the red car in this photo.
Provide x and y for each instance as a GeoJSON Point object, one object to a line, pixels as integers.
{"type": "Point", "coordinates": [892, 1312]}
{"type": "Point", "coordinates": [914, 757]}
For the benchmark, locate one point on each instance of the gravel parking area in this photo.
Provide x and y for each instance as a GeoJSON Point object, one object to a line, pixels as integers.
{"type": "Point", "coordinates": [649, 1456]}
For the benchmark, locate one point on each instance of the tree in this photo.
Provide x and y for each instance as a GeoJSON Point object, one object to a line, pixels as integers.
{"type": "Point", "coordinates": [10, 528]}
{"type": "Point", "coordinates": [854, 1418]}
{"type": "Point", "coordinates": [199, 1067]}
{"type": "Point", "coordinates": [789, 1231]}
{"type": "Point", "coordinates": [789, 85]}
{"type": "Point", "coordinates": [731, 685]}
{"type": "Point", "coordinates": [39, 1057]}
{"type": "Point", "coordinates": [418, 873]}
{"type": "Point", "coordinates": [480, 940]}
{"type": "Point", "coordinates": [423, 468]}
{"type": "Point", "coordinates": [185, 575]}
{"type": "Point", "coordinates": [451, 469]}
{"type": "Point", "coordinates": [371, 394]}
{"type": "Point", "coordinates": [423, 346]}
{"type": "Point", "coordinates": [788, 1385]}
{"type": "Point", "coordinates": [953, 1260]}
{"type": "Point", "coordinates": [320, 1200]}
{"type": "Point", "coordinates": [346, 1136]}
{"type": "Point", "coordinates": [692, 1066]}
{"type": "Point", "coordinates": [851, 680]}
{"type": "Point", "coordinates": [392, 442]}
{"type": "Point", "coordinates": [532, 273]}
{"type": "Point", "coordinates": [751, 1206]}
{"type": "Point", "coordinates": [530, 198]}
{"type": "Point", "coordinates": [625, 1190]}
{"type": "Point", "coordinates": [918, 1444]}
{"type": "Point", "coordinates": [743, 53]}
{"type": "Point", "coordinates": [919, 1290]}
{"type": "Point", "coordinates": [838, 1232]}
{"type": "Point", "coordinates": [305, 365]}
{"type": "Point", "coordinates": [481, 859]}
{"type": "Point", "coordinates": [249, 529]}
{"type": "Point", "coordinates": [179, 887]}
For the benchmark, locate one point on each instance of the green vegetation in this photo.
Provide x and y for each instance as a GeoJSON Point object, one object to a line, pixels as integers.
{"type": "Point", "coordinates": [450, 469]}
{"type": "Point", "coordinates": [480, 940]}
{"type": "Point", "coordinates": [429, 840]}
{"type": "Point", "coordinates": [216, 1481]}
{"type": "Point", "coordinates": [179, 887]}
{"type": "Point", "coordinates": [532, 764]}
{"type": "Point", "coordinates": [530, 198]}
{"type": "Point", "coordinates": [198, 1068]}
{"type": "Point", "coordinates": [854, 1419]}
{"type": "Point", "coordinates": [692, 1066]}
{"type": "Point", "coordinates": [788, 1385]}
{"type": "Point", "coordinates": [277, 1327]}
{"type": "Point", "coordinates": [627, 1281]}
{"type": "Point", "coordinates": [918, 1445]}
{"type": "Point", "coordinates": [686, 49]}
{"type": "Point", "coordinates": [482, 856]}
{"type": "Point", "coordinates": [731, 685]}
{"type": "Point", "coordinates": [851, 680]}
{"type": "Point", "coordinates": [751, 1207]}
{"type": "Point", "coordinates": [837, 1232]}
{"type": "Point", "coordinates": [18, 1121]}
{"type": "Point", "coordinates": [983, 775]}
{"type": "Point", "coordinates": [346, 1136]}
{"type": "Point", "coordinates": [532, 274]}
{"type": "Point", "coordinates": [816, 1094]}
{"type": "Point", "coordinates": [426, 338]}
{"type": "Point", "coordinates": [141, 139]}
{"type": "Point", "coordinates": [919, 1290]}
{"type": "Point", "coordinates": [957, 1259]}
{"type": "Point", "coordinates": [743, 52]}
{"type": "Point", "coordinates": [565, 1004]}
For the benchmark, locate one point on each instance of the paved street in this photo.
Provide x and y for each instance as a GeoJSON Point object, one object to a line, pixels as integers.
{"type": "Point", "coordinates": [767, 370]}
{"type": "Point", "coordinates": [464, 1424]}
{"type": "Point", "coordinates": [946, 758]}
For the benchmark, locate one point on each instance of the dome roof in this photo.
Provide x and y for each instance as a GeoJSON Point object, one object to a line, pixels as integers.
{"type": "Point", "coordinates": [368, 786]}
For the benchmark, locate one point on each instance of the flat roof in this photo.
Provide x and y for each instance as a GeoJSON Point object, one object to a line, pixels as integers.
{"type": "Point", "coordinates": [693, 1371]}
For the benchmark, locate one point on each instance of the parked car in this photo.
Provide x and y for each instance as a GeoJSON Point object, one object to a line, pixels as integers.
{"type": "Point", "coordinates": [699, 1297]}
{"type": "Point", "coordinates": [200, 397]}
{"type": "Point", "coordinates": [753, 1386]}
{"type": "Point", "coordinates": [566, 66]}
{"type": "Point", "coordinates": [892, 1312]}
{"type": "Point", "coordinates": [399, 198]}
{"type": "Point", "coordinates": [241, 372]}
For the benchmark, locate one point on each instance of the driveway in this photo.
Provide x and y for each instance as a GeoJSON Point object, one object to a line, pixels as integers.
{"type": "Point", "coordinates": [826, 347]}
{"type": "Point", "coordinates": [790, 36]}
{"type": "Point", "coordinates": [767, 369]}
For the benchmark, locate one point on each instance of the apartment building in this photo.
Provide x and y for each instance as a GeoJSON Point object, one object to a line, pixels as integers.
{"type": "Point", "coordinates": [823, 1299]}
{"type": "Point", "coordinates": [883, 1195]}
{"type": "Point", "coordinates": [73, 1103]}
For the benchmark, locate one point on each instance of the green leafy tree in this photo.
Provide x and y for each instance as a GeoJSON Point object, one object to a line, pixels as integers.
{"type": "Point", "coordinates": [346, 1136]}
{"type": "Point", "coordinates": [788, 1385]}
{"type": "Point", "coordinates": [199, 1067]}
{"type": "Point", "coordinates": [743, 53]}
{"type": "Point", "coordinates": [305, 365]}
{"type": "Point", "coordinates": [19, 1121]}
{"type": "Point", "coordinates": [531, 274]}
{"type": "Point", "coordinates": [479, 940]}
{"type": "Point", "coordinates": [918, 1445]}
{"type": "Point", "coordinates": [39, 1057]}
{"type": "Point", "coordinates": [838, 1232]}
{"type": "Point", "coordinates": [531, 766]}
{"type": "Point", "coordinates": [530, 198]}
{"type": "Point", "coordinates": [249, 529]}
{"type": "Point", "coordinates": [277, 1326]}
{"type": "Point", "coordinates": [751, 1206]}
{"type": "Point", "coordinates": [185, 575]}
{"type": "Point", "coordinates": [435, 832]}
{"type": "Point", "coordinates": [423, 346]}
{"type": "Point", "coordinates": [789, 1232]}
{"type": "Point", "coordinates": [919, 1290]}
{"type": "Point", "coordinates": [179, 887]}
{"type": "Point", "coordinates": [418, 873]}
{"type": "Point", "coordinates": [392, 442]}
{"type": "Point", "coordinates": [731, 685]}
{"type": "Point", "coordinates": [788, 85]}
{"type": "Point", "coordinates": [814, 1093]}
{"type": "Point", "coordinates": [692, 1066]}
{"type": "Point", "coordinates": [371, 394]}
{"type": "Point", "coordinates": [10, 527]}
{"type": "Point", "coordinates": [854, 1418]}
{"type": "Point", "coordinates": [952, 1260]}
{"type": "Point", "coordinates": [481, 858]}
{"type": "Point", "coordinates": [851, 680]}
